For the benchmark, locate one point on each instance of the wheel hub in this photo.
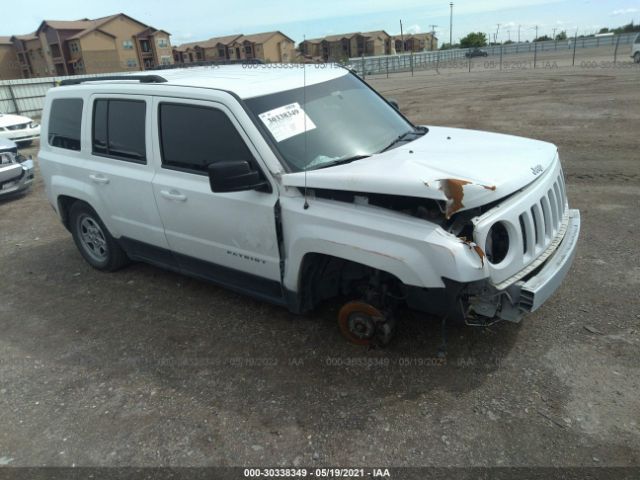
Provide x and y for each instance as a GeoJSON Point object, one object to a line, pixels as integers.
{"type": "Point", "coordinates": [361, 325]}
{"type": "Point", "coordinates": [92, 238]}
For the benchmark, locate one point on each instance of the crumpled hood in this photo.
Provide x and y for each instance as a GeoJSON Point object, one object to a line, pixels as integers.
{"type": "Point", "coordinates": [465, 168]}
{"type": "Point", "coordinates": [7, 119]}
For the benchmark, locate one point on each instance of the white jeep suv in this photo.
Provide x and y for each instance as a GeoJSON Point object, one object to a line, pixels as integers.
{"type": "Point", "coordinates": [298, 184]}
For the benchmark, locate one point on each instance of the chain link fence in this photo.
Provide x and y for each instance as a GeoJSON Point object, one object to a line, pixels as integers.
{"type": "Point", "coordinates": [577, 51]}
{"type": "Point", "coordinates": [25, 96]}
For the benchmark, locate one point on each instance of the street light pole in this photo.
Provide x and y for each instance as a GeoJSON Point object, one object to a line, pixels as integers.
{"type": "Point", "coordinates": [433, 33]}
{"type": "Point", "coordinates": [451, 26]}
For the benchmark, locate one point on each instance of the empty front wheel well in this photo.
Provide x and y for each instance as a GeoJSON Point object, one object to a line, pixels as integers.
{"type": "Point", "coordinates": [325, 276]}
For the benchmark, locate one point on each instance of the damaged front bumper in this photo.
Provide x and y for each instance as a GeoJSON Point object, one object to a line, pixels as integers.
{"type": "Point", "coordinates": [487, 303]}
{"type": "Point", "coordinates": [14, 179]}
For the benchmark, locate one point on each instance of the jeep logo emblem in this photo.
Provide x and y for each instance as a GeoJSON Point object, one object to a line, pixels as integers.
{"type": "Point", "coordinates": [537, 169]}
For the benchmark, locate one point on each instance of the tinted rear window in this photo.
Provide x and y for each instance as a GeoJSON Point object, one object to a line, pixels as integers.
{"type": "Point", "coordinates": [65, 119]}
{"type": "Point", "coordinates": [119, 129]}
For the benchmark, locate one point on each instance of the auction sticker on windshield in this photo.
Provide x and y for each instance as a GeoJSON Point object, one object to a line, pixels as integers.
{"type": "Point", "coordinates": [287, 121]}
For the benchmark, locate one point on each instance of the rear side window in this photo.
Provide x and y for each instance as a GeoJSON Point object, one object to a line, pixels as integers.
{"type": "Point", "coordinates": [119, 129]}
{"type": "Point", "coordinates": [192, 137]}
{"type": "Point", "coordinates": [65, 119]}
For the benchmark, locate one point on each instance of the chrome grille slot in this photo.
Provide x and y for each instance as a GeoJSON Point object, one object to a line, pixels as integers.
{"type": "Point", "coordinates": [561, 196]}
{"type": "Point", "coordinates": [563, 189]}
{"type": "Point", "coordinates": [546, 213]}
{"type": "Point", "coordinates": [559, 200]}
{"type": "Point", "coordinates": [538, 222]}
{"type": "Point", "coordinates": [530, 236]}
{"type": "Point", "coordinates": [554, 210]}
{"type": "Point", "coordinates": [523, 232]}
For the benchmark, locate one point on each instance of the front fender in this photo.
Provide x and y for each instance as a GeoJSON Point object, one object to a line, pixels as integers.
{"type": "Point", "coordinates": [417, 252]}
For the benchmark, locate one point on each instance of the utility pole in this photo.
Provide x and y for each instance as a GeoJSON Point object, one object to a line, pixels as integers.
{"type": "Point", "coordinates": [497, 32]}
{"type": "Point", "coordinates": [401, 36]}
{"type": "Point", "coordinates": [451, 26]}
{"type": "Point", "coordinates": [519, 26]}
{"type": "Point", "coordinates": [433, 34]}
{"type": "Point", "coordinates": [536, 34]}
{"type": "Point", "coordinates": [509, 35]}
{"type": "Point", "coordinates": [554, 33]}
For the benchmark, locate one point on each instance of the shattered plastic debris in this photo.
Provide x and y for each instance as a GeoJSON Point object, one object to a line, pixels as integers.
{"type": "Point", "coordinates": [476, 248]}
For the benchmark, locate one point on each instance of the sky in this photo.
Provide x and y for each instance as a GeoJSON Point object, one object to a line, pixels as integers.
{"type": "Point", "coordinates": [192, 20]}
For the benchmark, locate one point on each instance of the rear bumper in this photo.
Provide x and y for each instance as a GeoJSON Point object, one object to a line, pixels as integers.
{"type": "Point", "coordinates": [527, 295]}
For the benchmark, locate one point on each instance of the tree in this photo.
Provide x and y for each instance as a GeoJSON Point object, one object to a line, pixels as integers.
{"type": "Point", "coordinates": [628, 28]}
{"type": "Point", "coordinates": [561, 36]}
{"type": "Point", "coordinates": [542, 38]}
{"type": "Point", "coordinates": [474, 39]}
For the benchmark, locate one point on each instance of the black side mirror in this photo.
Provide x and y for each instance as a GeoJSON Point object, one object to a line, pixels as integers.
{"type": "Point", "coordinates": [235, 176]}
{"type": "Point", "coordinates": [393, 103]}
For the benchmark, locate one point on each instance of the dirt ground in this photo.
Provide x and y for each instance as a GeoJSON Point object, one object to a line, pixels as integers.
{"type": "Point", "coordinates": [148, 368]}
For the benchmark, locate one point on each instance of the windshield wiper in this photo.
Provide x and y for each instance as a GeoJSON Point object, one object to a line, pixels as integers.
{"type": "Point", "coordinates": [341, 161]}
{"type": "Point", "coordinates": [419, 131]}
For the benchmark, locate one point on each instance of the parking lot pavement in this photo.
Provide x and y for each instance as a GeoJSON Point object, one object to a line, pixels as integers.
{"type": "Point", "coordinates": [146, 367]}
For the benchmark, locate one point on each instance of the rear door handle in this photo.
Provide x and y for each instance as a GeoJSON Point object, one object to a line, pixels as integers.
{"type": "Point", "coordinates": [99, 179]}
{"type": "Point", "coordinates": [173, 195]}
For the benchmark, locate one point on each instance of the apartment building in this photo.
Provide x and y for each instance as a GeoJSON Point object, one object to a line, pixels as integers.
{"type": "Point", "coordinates": [272, 47]}
{"type": "Point", "coordinates": [357, 44]}
{"type": "Point", "coordinates": [109, 44]}
{"type": "Point", "coordinates": [214, 49]}
{"type": "Point", "coordinates": [347, 45]}
{"type": "Point", "coordinates": [417, 42]}
{"type": "Point", "coordinates": [9, 68]}
{"type": "Point", "coordinates": [29, 52]}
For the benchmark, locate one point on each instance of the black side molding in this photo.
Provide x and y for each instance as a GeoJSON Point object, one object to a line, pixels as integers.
{"type": "Point", "coordinates": [139, 78]}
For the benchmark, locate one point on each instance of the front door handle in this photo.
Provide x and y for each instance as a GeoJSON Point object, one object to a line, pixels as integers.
{"type": "Point", "coordinates": [173, 195]}
{"type": "Point", "coordinates": [99, 179]}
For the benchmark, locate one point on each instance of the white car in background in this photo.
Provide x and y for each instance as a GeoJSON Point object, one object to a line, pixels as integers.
{"type": "Point", "coordinates": [635, 49]}
{"type": "Point", "coordinates": [21, 130]}
{"type": "Point", "coordinates": [16, 171]}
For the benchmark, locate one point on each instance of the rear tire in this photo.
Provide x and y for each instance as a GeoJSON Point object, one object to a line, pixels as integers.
{"type": "Point", "coordinates": [94, 241]}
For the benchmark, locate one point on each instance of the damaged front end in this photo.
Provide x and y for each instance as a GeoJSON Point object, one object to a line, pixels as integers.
{"type": "Point", "coordinates": [486, 302]}
{"type": "Point", "coordinates": [16, 172]}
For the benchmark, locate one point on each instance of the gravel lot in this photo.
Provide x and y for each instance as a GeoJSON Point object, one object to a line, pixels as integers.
{"type": "Point", "coordinates": [148, 368]}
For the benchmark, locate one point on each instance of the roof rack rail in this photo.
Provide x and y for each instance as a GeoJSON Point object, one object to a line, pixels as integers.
{"type": "Point", "coordinates": [139, 78]}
